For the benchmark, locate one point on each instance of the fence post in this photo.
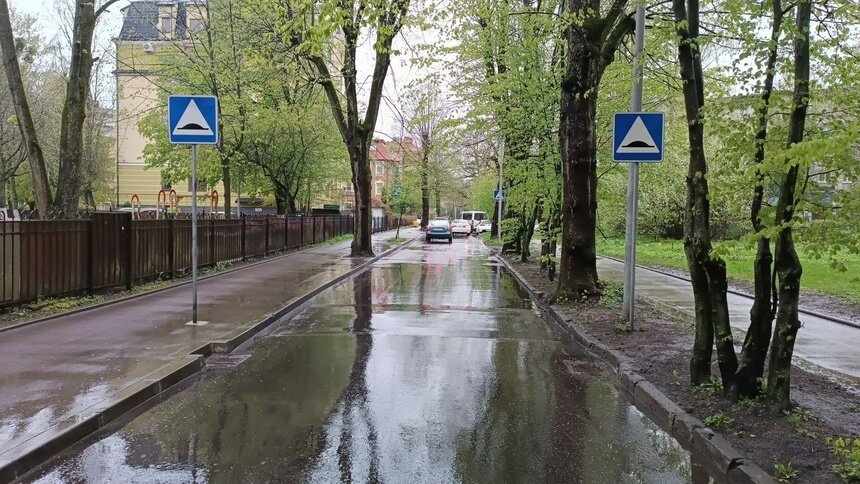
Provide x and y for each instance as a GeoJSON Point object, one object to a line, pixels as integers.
{"type": "Point", "coordinates": [212, 257]}
{"type": "Point", "coordinates": [286, 229]}
{"type": "Point", "coordinates": [127, 243]}
{"type": "Point", "coordinates": [243, 237]}
{"type": "Point", "coordinates": [90, 255]}
{"type": "Point", "coordinates": [171, 247]}
{"type": "Point", "coordinates": [267, 236]}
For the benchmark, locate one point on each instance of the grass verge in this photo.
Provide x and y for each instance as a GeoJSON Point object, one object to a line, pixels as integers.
{"type": "Point", "coordinates": [490, 240]}
{"type": "Point", "coordinates": [818, 275]}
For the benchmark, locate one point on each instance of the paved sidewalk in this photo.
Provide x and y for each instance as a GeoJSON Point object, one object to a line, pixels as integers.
{"type": "Point", "coordinates": [56, 374]}
{"type": "Point", "coordinates": [824, 343]}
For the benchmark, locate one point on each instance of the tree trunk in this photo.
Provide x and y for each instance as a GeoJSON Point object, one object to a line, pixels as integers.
{"type": "Point", "coordinates": [707, 272]}
{"type": "Point", "coordinates": [22, 112]}
{"type": "Point", "coordinates": [75, 108]}
{"type": "Point", "coordinates": [787, 263]}
{"type": "Point", "coordinates": [361, 178]}
{"type": "Point", "coordinates": [13, 192]}
{"type": "Point", "coordinates": [89, 198]}
{"type": "Point", "coordinates": [549, 242]}
{"type": "Point", "coordinates": [226, 181]}
{"type": "Point", "coordinates": [3, 201]}
{"type": "Point", "coordinates": [280, 203]}
{"type": "Point", "coordinates": [752, 358]}
{"type": "Point", "coordinates": [528, 232]}
{"type": "Point", "coordinates": [425, 183]}
{"type": "Point", "coordinates": [438, 191]}
{"type": "Point", "coordinates": [577, 274]}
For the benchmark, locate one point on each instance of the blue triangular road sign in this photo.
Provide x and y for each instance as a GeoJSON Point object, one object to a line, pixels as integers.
{"type": "Point", "coordinates": [637, 137]}
{"type": "Point", "coordinates": [192, 119]}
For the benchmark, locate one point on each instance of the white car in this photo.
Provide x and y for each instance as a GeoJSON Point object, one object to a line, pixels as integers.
{"type": "Point", "coordinates": [461, 227]}
{"type": "Point", "coordinates": [483, 226]}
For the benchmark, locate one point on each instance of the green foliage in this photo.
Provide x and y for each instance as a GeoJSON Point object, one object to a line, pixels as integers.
{"type": "Point", "coordinates": [719, 420]}
{"type": "Point", "coordinates": [512, 79]}
{"type": "Point", "coordinates": [818, 274]}
{"type": "Point", "coordinates": [481, 192]}
{"type": "Point", "coordinates": [675, 378]}
{"type": "Point", "coordinates": [490, 240]}
{"type": "Point", "coordinates": [714, 388]}
{"type": "Point", "coordinates": [613, 293]}
{"type": "Point", "coordinates": [785, 472]}
{"type": "Point", "coordinates": [799, 419]}
{"type": "Point", "coordinates": [847, 453]}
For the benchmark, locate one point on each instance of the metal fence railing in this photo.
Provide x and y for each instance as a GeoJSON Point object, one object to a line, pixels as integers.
{"type": "Point", "coordinates": [45, 258]}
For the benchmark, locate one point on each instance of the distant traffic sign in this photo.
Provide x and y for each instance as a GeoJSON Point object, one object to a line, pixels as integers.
{"type": "Point", "coordinates": [637, 137]}
{"type": "Point", "coordinates": [192, 120]}
{"type": "Point", "coordinates": [498, 195]}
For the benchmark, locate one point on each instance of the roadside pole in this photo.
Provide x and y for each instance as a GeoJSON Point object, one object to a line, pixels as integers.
{"type": "Point", "coordinates": [194, 233]}
{"type": "Point", "coordinates": [193, 120]}
{"type": "Point", "coordinates": [633, 174]}
{"type": "Point", "coordinates": [500, 197]}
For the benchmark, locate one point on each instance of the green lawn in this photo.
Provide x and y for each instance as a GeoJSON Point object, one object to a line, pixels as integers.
{"type": "Point", "coordinates": [817, 274]}
{"type": "Point", "coordinates": [490, 240]}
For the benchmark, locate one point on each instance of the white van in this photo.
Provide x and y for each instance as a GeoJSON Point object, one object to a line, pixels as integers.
{"type": "Point", "coordinates": [474, 218]}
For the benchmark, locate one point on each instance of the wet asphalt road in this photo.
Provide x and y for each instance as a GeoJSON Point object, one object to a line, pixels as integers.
{"type": "Point", "coordinates": [430, 367]}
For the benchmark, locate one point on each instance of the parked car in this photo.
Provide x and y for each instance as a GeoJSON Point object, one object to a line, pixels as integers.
{"type": "Point", "coordinates": [439, 229]}
{"type": "Point", "coordinates": [484, 226]}
{"type": "Point", "coordinates": [473, 217]}
{"type": "Point", "coordinates": [461, 227]}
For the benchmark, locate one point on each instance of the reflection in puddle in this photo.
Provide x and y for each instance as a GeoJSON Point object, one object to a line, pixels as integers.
{"type": "Point", "coordinates": [446, 374]}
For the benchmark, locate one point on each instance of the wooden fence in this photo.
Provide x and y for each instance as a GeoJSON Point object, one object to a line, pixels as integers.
{"type": "Point", "coordinates": [46, 258]}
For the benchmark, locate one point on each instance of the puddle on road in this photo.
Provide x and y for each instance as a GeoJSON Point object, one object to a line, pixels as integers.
{"type": "Point", "coordinates": [399, 376]}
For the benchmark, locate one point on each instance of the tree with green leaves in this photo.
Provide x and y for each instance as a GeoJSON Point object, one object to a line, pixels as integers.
{"type": "Point", "coordinates": [593, 35]}
{"type": "Point", "coordinates": [26, 124]}
{"type": "Point", "coordinates": [328, 33]}
{"type": "Point", "coordinates": [776, 141]}
{"type": "Point", "coordinates": [512, 57]}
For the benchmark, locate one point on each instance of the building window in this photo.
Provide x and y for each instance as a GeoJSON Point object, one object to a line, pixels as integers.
{"type": "Point", "coordinates": [196, 25]}
{"type": "Point", "coordinates": [201, 187]}
{"type": "Point", "coordinates": [380, 168]}
{"type": "Point", "coordinates": [166, 26]}
{"type": "Point", "coordinates": [379, 188]}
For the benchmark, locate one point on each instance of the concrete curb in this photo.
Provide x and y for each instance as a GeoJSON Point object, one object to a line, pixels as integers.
{"type": "Point", "coordinates": [19, 460]}
{"type": "Point", "coordinates": [692, 433]}
{"type": "Point", "coordinates": [130, 297]}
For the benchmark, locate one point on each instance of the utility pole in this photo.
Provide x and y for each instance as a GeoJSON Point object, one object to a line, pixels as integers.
{"type": "Point", "coordinates": [633, 174]}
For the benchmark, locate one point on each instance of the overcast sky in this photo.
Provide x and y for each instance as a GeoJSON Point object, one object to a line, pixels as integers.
{"type": "Point", "coordinates": [400, 74]}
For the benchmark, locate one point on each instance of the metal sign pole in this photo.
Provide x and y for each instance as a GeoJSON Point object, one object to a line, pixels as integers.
{"type": "Point", "coordinates": [633, 174]}
{"type": "Point", "coordinates": [500, 195]}
{"type": "Point", "coordinates": [194, 233]}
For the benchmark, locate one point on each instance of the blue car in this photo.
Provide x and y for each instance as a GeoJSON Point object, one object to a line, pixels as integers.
{"type": "Point", "coordinates": [439, 229]}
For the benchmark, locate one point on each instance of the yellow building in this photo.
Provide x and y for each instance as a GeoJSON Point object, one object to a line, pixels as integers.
{"type": "Point", "coordinates": [149, 27]}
